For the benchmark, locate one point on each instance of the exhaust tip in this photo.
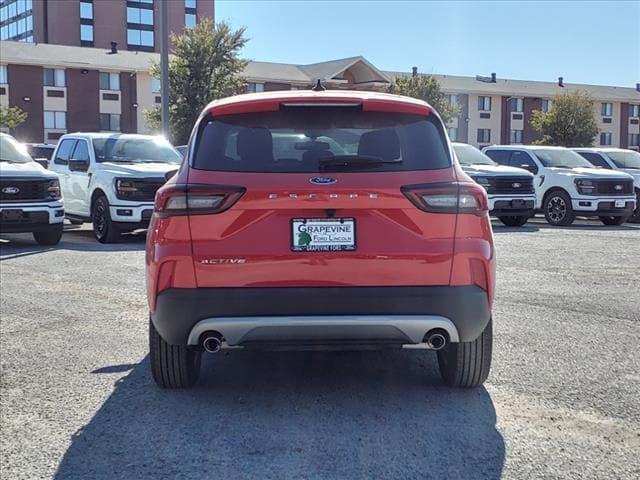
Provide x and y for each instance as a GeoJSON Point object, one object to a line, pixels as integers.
{"type": "Point", "coordinates": [436, 340]}
{"type": "Point", "coordinates": [211, 344]}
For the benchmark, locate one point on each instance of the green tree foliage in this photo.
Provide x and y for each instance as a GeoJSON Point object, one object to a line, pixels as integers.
{"type": "Point", "coordinates": [427, 88]}
{"type": "Point", "coordinates": [204, 66]}
{"type": "Point", "coordinates": [12, 117]}
{"type": "Point", "coordinates": [570, 122]}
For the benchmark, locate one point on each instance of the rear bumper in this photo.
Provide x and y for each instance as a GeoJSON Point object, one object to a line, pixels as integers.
{"type": "Point", "coordinates": [394, 314]}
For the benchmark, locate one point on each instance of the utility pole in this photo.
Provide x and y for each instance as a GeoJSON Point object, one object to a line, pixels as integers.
{"type": "Point", "coordinates": [164, 67]}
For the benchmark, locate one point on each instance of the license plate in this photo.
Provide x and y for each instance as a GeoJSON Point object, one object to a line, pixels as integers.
{"type": "Point", "coordinates": [518, 204]}
{"type": "Point", "coordinates": [323, 234]}
{"type": "Point", "coordinates": [11, 215]}
{"type": "Point", "coordinates": [620, 204]}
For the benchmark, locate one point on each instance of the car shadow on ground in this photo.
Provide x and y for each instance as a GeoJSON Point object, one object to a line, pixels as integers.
{"type": "Point", "coordinates": [292, 415]}
{"type": "Point", "coordinates": [581, 225]}
{"type": "Point", "coordinates": [22, 244]}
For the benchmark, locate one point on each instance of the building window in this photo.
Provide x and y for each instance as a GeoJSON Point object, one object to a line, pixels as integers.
{"type": "Point", "coordinates": [634, 110]}
{"type": "Point", "coordinates": [605, 138]}
{"type": "Point", "coordinates": [57, 120]}
{"type": "Point", "coordinates": [189, 20]}
{"type": "Point", "coordinates": [139, 38]}
{"type": "Point", "coordinates": [140, 16]}
{"type": "Point", "coordinates": [110, 122]}
{"type": "Point", "coordinates": [86, 10]}
{"type": "Point", "coordinates": [516, 136]}
{"type": "Point", "coordinates": [255, 87]}
{"type": "Point", "coordinates": [517, 105]}
{"type": "Point", "coordinates": [546, 105]}
{"type": "Point", "coordinates": [53, 77]}
{"type": "Point", "coordinates": [86, 34]}
{"type": "Point", "coordinates": [607, 109]}
{"type": "Point", "coordinates": [3, 74]}
{"type": "Point", "coordinates": [156, 86]}
{"type": "Point", "coordinates": [484, 103]}
{"type": "Point", "coordinates": [109, 81]}
{"type": "Point", "coordinates": [16, 20]}
{"type": "Point", "coordinates": [453, 133]}
{"type": "Point", "coordinates": [452, 100]}
{"type": "Point", "coordinates": [484, 135]}
{"type": "Point", "coordinates": [189, 3]}
{"type": "Point", "coordinates": [634, 139]}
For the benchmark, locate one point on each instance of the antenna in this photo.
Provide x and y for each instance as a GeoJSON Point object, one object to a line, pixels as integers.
{"type": "Point", "coordinates": [318, 87]}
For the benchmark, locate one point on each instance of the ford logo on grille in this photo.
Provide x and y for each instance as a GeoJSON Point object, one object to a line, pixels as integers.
{"type": "Point", "coordinates": [618, 187]}
{"type": "Point", "coordinates": [516, 185]}
{"type": "Point", "coordinates": [323, 180]}
{"type": "Point", "coordinates": [11, 190]}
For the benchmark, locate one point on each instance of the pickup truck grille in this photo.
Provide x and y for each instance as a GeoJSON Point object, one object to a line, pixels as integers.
{"type": "Point", "coordinates": [510, 185]}
{"type": "Point", "coordinates": [614, 187]}
{"type": "Point", "coordinates": [20, 190]}
{"type": "Point", "coordinates": [146, 190]}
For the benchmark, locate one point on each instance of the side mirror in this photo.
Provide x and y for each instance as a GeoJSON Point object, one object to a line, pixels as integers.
{"type": "Point", "coordinates": [42, 161]}
{"type": "Point", "coordinates": [78, 165]}
{"type": "Point", "coordinates": [169, 175]}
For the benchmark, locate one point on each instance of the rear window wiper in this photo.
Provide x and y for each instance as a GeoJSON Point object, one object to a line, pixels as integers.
{"type": "Point", "coordinates": [352, 161]}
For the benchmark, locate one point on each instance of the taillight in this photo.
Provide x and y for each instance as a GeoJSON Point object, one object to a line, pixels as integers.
{"type": "Point", "coordinates": [196, 199]}
{"type": "Point", "coordinates": [448, 197]}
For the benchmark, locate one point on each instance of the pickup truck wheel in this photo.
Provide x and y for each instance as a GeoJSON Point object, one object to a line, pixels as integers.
{"type": "Point", "coordinates": [514, 221]}
{"type": "Point", "coordinates": [49, 237]}
{"type": "Point", "coordinates": [613, 220]}
{"type": "Point", "coordinates": [558, 210]}
{"type": "Point", "coordinates": [467, 364]}
{"type": "Point", "coordinates": [103, 228]}
{"type": "Point", "coordinates": [172, 366]}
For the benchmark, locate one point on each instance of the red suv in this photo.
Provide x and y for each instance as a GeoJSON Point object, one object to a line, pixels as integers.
{"type": "Point", "coordinates": [331, 220]}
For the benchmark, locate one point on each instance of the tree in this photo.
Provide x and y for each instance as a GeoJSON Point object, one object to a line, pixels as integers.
{"type": "Point", "coordinates": [427, 88]}
{"type": "Point", "coordinates": [12, 117]}
{"type": "Point", "coordinates": [570, 122]}
{"type": "Point", "coordinates": [204, 66]}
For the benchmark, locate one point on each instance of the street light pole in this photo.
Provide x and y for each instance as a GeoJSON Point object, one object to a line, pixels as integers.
{"type": "Point", "coordinates": [164, 67]}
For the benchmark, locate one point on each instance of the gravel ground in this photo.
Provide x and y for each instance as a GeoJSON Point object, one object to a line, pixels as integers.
{"type": "Point", "coordinates": [77, 399]}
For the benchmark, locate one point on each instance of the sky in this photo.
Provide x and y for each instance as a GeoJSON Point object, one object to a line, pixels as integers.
{"type": "Point", "coordinates": [583, 41]}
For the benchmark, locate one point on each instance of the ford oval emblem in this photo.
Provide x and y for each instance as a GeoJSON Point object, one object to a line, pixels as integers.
{"type": "Point", "coordinates": [323, 180]}
{"type": "Point", "coordinates": [11, 190]}
{"type": "Point", "coordinates": [618, 187]}
{"type": "Point", "coordinates": [516, 185]}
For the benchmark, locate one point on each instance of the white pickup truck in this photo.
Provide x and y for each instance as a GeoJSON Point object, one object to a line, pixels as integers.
{"type": "Point", "coordinates": [568, 186]}
{"type": "Point", "coordinates": [626, 161]}
{"type": "Point", "coordinates": [29, 195]}
{"type": "Point", "coordinates": [510, 190]}
{"type": "Point", "coordinates": [111, 179]}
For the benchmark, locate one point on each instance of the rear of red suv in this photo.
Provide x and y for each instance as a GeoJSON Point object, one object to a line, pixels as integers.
{"type": "Point", "coordinates": [320, 220]}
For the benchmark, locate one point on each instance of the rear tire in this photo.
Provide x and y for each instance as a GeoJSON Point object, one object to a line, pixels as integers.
{"type": "Point", "coordinates": [104, 229]}
{"type": "Point", "coordinates": [514, 221]}
{"type": "Point", "coordinates": [613, 220]}
{"type": "Point", "coordinates": [51, 236]}
{"type": "Point", "coordinates": [467, 364]}
{"type": "Point", "coordinates": [558, 210]}
{"type": "Point", "coordinates": [172, 366]}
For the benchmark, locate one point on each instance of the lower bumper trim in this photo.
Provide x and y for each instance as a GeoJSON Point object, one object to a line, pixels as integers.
{"type": "Point", "coordinates": [409, 329]}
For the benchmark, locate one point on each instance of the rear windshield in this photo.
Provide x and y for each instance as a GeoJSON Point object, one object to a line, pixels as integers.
{"type": "Point", "coordinates": [308, 140]}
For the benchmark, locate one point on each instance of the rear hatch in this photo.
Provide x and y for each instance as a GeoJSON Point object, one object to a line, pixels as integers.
{"type": "Point", "coordinates": [311, 196]}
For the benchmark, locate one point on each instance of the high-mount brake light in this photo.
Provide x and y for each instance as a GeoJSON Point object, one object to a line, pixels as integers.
{"type": "Point", "coordinates": [448, 198]}
{"type": "Point", "coordinates": [196, 199]}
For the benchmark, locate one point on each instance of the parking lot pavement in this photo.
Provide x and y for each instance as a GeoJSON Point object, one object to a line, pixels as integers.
{"type": "Point", "coordinates": [77, 400]}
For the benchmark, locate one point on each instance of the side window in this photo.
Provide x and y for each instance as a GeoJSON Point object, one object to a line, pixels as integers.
{"type": "Point", "coordinates": [499, 156]}
{"type": "Point", "coordinates": [595, 159]}
{"type": "Point", "coordinates": [520, 159]}
{"type": "Point", "coordinates": [64, 151]}
{"type": "Point", "coordinates": [81, 152]}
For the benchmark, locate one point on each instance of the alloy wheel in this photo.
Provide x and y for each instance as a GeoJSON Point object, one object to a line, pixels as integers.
{"type": "Point", "coordinates": [556, 209]}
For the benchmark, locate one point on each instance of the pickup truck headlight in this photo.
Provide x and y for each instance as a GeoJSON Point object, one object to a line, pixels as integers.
{"type": "Point", "coordinates": [482, 181]}
{"type": "Point", "coordinates": [53, 189]}
{"type": "Point", "coordinates": [585, 187]}
{"type": "Point", "coordinates": [125, 188]}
